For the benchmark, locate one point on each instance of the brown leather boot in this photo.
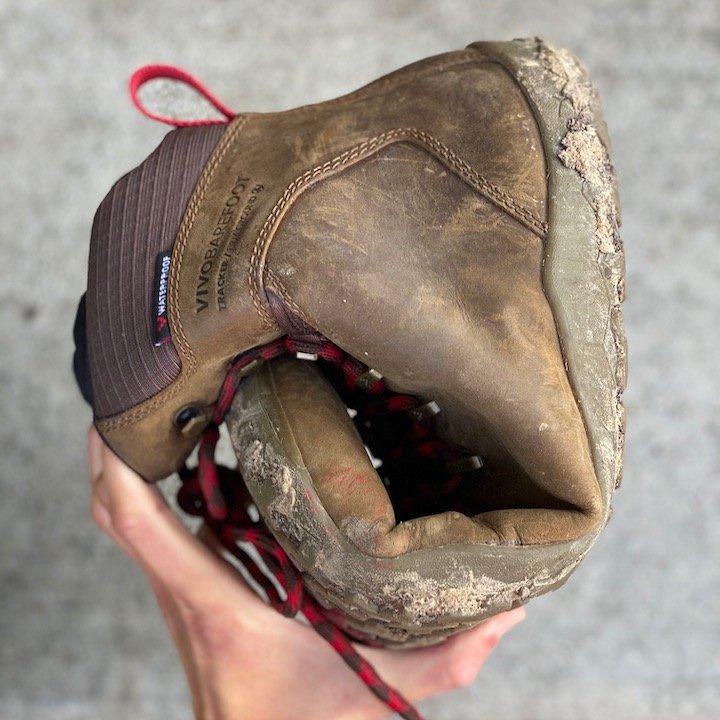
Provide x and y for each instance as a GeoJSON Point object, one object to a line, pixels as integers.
{"type": "Point", "coordinates": [452, 229]}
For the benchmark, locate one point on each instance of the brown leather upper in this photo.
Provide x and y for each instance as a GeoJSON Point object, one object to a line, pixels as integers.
{"type": "Point", "coordinates": [405, 222]}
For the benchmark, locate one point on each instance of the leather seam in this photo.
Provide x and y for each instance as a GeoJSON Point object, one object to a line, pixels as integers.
{"type": "Point", "coordinates": [475, 180]}
{"type": "Point", "coordinates": [277, 287]}
{"type": "Point", "coordinates": [183, 235]}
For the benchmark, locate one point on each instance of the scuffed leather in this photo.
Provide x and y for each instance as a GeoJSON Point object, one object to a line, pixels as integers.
{"type": "Point", "coordinates": [405, 223]}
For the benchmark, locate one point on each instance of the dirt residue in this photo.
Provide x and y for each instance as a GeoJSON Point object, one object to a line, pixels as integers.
{"type": "Point", "coordinates": [571, 76]}
{"type": "Point", "coordinates": [464, 596]}
{"type": "Point", "coordinates": [260, 465]}
{"type": "Point", "coordinates": [582, 148]}
{"type": "Point", "coordinates": [584, 151]}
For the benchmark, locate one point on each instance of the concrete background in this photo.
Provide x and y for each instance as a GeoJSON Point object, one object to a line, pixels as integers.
{"type": "Point", "coordinates": [636, 632]}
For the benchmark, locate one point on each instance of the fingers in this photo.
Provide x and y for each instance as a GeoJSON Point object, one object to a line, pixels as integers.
{"type": "Point", "coordinates": [454, 664]}
{"type": "Point", "coordinates": [183, 574]}
{"type": "Point", "coordinates": [137, 517]}
{"type": "Point", "coordinates": [181, 639]}
{"type": "Point", "coordinates": [99, 498]}
{"type": "Point", "coordinates": [212, 614]}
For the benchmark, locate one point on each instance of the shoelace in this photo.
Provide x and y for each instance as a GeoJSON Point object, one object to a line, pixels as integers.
{"type": "Point", "coordinates": [215, 493]}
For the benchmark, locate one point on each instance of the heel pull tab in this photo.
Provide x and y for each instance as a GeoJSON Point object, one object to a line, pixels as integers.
{"type": "Point", "coordinates": [148, 73]}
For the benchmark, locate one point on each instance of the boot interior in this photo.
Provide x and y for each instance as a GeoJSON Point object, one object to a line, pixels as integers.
{"type": "Point", "coordinates": [391, 482]}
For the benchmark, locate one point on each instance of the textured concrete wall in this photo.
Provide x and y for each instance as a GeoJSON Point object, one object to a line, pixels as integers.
{"type": "Point", "coordinates": [636, 632]}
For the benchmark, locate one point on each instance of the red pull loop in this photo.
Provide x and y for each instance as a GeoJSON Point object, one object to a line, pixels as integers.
{"type": "Point", "coordinates": [169, 72]}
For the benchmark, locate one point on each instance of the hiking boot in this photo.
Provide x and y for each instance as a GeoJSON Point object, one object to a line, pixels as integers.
{"type": "Point", "coordinates": [445, 243]}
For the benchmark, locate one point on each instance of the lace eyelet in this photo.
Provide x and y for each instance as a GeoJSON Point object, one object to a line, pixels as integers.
{"type": "Point", "coordinates": [184, 416]}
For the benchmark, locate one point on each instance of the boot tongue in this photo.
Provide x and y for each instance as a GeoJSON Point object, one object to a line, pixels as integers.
{"type": "Point", "coordinates": [129, 349]}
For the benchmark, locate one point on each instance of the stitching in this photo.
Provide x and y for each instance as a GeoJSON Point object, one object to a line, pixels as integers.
{"type": "Point", "coordinates": [184, 234]}
{"type": "Point", "coordinates": [478, 182]}
{"type": "Point", "coordinates": [300, 183]}
{"type": "Point", "coordinates": [468, 56]}
{"type": "Point", "coordinates": [189, 362]}
{"type": "Point", "coordinates": [483, 185]}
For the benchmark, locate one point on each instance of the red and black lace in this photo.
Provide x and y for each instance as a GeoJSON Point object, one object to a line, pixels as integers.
{"type": "Point", "coordinates": [401, 438]}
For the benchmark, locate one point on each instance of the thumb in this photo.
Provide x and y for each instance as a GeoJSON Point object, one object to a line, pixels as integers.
{"type": "Point", "coordinates": [137, 517]}
{"type": "Point", "coordinates": [452, 665]}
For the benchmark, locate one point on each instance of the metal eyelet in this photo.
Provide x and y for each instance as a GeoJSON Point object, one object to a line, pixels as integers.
{"type": "Point", "coordinates": [425, 412]}
{"type": "Point", "coordinates": [466, 464]}
{"type": "Point", "coordinates": [188, 418]}
{"type": "Point", "coordinates": [368, 378]}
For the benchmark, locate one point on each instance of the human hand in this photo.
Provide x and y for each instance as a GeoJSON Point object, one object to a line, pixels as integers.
{"type": "Point", "coordinates": [241, 657]}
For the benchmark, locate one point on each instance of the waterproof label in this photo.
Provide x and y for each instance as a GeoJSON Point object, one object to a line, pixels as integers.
{"type": "Point", "coordinates": [160, 325]}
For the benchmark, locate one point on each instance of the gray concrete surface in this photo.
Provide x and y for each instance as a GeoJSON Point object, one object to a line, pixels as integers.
{"type": "Point", "coordinates": [636, 632]}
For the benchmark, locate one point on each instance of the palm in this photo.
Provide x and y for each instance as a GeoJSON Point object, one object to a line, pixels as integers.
{"type": "Point", "coordinates": [241, 658]}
